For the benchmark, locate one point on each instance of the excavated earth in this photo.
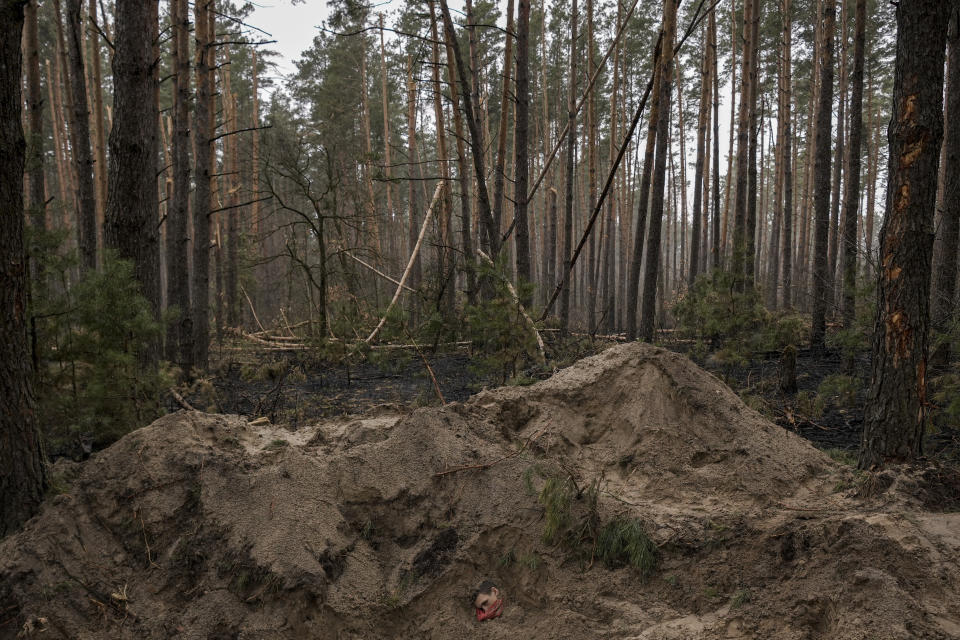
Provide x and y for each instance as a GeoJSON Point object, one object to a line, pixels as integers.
{"type": "Point", "coordinates": [205, 526]}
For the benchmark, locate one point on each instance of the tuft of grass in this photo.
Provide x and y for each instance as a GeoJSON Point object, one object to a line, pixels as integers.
{"type": "Point", "coordinates": [810, 405]}
{"type": "Point", "coordinates": [740, 598]}
{"type": "Point", "coordinates": [557, 494]}
{"type": "Point", "coordinates": [711, 592]}
{"type": "Point", "coordinates": [843, 456]}
{"type": "Point", "coordinates": [530, 561]}
{"type": "Point", "coordinates": [624, 542]}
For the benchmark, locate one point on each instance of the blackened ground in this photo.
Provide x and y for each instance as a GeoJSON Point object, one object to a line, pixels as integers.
{"type": "Point", "coordinates": [840, 424]}
{"type": "Point", "coordinates": [296, 388]}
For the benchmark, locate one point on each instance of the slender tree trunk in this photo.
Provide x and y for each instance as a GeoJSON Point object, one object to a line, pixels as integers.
{"type": "Point", "coordinates": [99, 136]}
{"type": "Point", "coordinates": [871, 183]}
{"type": "Point", "coordinates": [652, 263]}
{"type": "Point", "coordinates": [386, 124]}
{"type": "Point", "coordinates": [743, 149]}
{"type": "Point", "coordinates": [498, 171]}
{"type": "Point", "coordinates": [787, 157]}
{"type": "Point", "coordinates": [716, 248]}
{"type": "Point", "coordinates": [463, 175]}
{"type": "Point", "coordinates": [443, 218]}
{"type": "Point", "coordinates": [231, 169]}
{"type": "Point", "coordinates": [24, 480]}
{"type": "Point", "coordinates": [34, 159]}
{"type": "Point", "coordinates": [203, 158]}
{"type": "Point", "coordinates": [571, 150]}
{"type": "Point", "coordinates": [62, 183]}
{"type": "Point", "coordinates": [802, 266]}
{"type": "Point", "coordinates": [607, 286]}
{"type": "Point", "coordinates": [592, 273]}
{"type": "Point", "coordinates": [838, 160]}
{"type": "Point", "coordinates": [80, 140]}
{"type": "Point", "coordinates": [773, 254]}
{"type": "Point", "coordinates": [682, 176]}
{"type": "Point", "coordinates": [521, 168]}
{"type": "Point", "coordinates": [412, 224]}
{"type": "Point", "coordinates": [946, 272]}
{"type": "Point", "coordinates": [821, 203]}
{"type": "Point", "coordinates": [750, 229]}
{"type": "Point", "coordinates": [702, 123]}
{"type": "Point", "coordinates": [896, 406]}
{"type": "Point", "coordinates": [179, 347]}
{"type": "Point", "coordinates": [640, 224]}
{"type": "Point", "coordinates": [486, 217]}
{"type": "Point", "coordinates": [852, 192]}
{"type": "Point", "coordinates": [733, 105]}
{"type": "Point", "coordinates": [131, 216]}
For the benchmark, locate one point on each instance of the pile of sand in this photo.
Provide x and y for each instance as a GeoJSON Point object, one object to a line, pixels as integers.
{"type": "Point", "coordinates": [204, 526]}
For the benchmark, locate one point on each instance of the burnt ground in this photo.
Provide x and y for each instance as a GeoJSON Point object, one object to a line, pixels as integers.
{"type": "Point", "coordinates": [297, 388]}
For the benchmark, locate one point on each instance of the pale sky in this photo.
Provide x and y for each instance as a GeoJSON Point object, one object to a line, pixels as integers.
{"type": "Point", "coordinates": [293, 27]}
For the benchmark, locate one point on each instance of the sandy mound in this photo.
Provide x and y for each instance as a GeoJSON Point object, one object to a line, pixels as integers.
{"type": "Point", "coordinates": [203, 526]}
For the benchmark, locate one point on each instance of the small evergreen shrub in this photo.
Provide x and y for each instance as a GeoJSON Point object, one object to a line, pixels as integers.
{"type": "Point", "coordinates": [500, 335]}
{"type": "Point", "coordinates": [839, 389]}
{"type": "Point", "coordinates": [92, 381]}
{"type": "Point", "coordinates": [624, 542]}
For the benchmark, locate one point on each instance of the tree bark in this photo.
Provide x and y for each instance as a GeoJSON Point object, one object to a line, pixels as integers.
{"type": "Point", "coordinates": [23, 481]}
{"type": "Point", "coordinates": [571, 151]}
{"type": "Point", "coordinates": [640, 224]}
{"type": "Point", "coordinates": [203, 158]}
{"type": "Point", "coordinates": [486, 217]}
{"type": "Point", "coordinates": [607, 286]}
{"type": "Point", "coordinates": [463, 175]}
{"type": "Point", "coordinates": [498, 169]}
{"type": "Point", "coordinates": [99, 136]}
{"type": "Point", "coordinates": [750, 228]}
{"type": "Point", "coordinates": [744, 113]}
{"type": "Point", "coordinates": [839, 157]}
{"type": "Point", "coordinates": [945, 284]}
{"type": "Point", "coordinates": [716, 249]}
{"type": "Point", "coordinates": [852, 191]}
{"type": "Point", "coordinates": [821, 196]}
{"type": "Point", "coordinates": [444, 214]}
{"type": "Point", "coordinates": [703, 121]}
{"type": "Point", "coordinates": [896, 406]}
{"type": "Point", "coordinates": [652, 264]}
{"type": "Point", "coordinates": [80, 140]}
{"type": "Point", "coordinates": [179, 348]}
{"type": "Point", "coordinates": [34, 159]}
{"type": "Point", "coordinates": [787, 157]}
{"type": "Point", "coordinates": [412, 192]}
{"type": "Point", "coordinates": [131, 216]}
{"type": "Point", "coordinates": [521, 163]}
{"type": "Point", "coordinates": [592, 274]}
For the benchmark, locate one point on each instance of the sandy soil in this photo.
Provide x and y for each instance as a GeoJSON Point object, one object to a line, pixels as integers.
{"type": "Point", "coordinates": [204, 526]}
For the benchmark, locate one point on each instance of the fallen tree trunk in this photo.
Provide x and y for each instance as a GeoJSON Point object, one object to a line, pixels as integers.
{"type": "Point", "coordinates": [413, 258]}
{"type": "Point", "coordinates": [513, 292]}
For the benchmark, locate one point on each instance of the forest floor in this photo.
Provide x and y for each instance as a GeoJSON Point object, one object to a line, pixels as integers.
{"type": "Point", "coordinates": [296, 387]}
{"type": "Point", "coordinates": [629, 495]}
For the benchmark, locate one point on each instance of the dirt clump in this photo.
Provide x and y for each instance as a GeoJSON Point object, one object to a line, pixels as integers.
{"type": "Point", "coordinates": [205, 526]}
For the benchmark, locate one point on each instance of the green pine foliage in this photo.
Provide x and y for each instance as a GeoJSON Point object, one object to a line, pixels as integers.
{"type": "Point", "coordinates": [501, 338]}
{"type": "Point", "coordinates": [624, 542]}
{"type": "Point", "coordinates": [572, 521]}
{"type": "Point", "coordinates": [93, 385]}
{"type": "Point", "coordinates": [730, 323]}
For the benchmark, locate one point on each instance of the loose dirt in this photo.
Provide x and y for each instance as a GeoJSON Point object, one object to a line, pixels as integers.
{"type": "Point", "coordinates": [205, 526]}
